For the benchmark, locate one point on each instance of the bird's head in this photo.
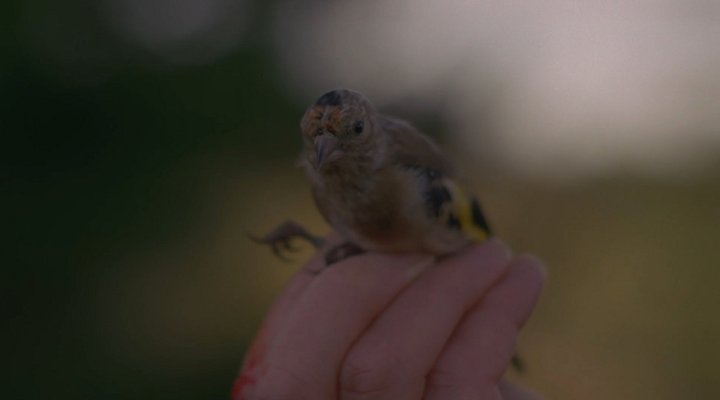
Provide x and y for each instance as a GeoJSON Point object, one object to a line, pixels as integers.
{"type": "Point", "coordinates": [341, 126]}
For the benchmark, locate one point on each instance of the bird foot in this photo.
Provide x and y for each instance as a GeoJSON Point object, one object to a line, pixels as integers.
{"type": "Point", "coordinates": [280, 239]}
{"type": "Point", "coordinates": [341, 252]}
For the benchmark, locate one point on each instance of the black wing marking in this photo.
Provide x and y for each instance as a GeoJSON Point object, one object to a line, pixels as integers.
{"type": "Point", "coordinates": [438, 198]}
{"type": "Point", "coordinates": [478, 217]}
{"type": "Point", "coordinates": [451, 206]}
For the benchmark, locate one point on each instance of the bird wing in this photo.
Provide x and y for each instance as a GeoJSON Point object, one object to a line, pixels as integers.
{"type": "Point", "coordinates": [462, 211]}
{"type": "Point", "coordinates": [410, 147]}
{"type": "Point", "coordinates": [446, 200]}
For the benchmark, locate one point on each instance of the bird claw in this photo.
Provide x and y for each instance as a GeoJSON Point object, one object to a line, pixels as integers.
{"type": "Point", "coordinates": [341, 252]}
{"type": "Point", "coordinates": [288, 246]}
{"type": "Point", "coordinates": [280, 239]}
{"type": "Point", "coordinates": [279, 252]}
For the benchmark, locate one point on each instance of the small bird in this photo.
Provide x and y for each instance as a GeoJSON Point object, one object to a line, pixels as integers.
{"type": "Point", "coordinates": [380, 183]}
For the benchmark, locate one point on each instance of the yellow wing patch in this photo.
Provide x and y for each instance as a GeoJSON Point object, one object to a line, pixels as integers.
{"type": "Point", "coordinates": [465, 209]}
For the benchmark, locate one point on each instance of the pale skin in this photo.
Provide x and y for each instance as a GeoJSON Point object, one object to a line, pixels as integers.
{"type": "Point", "coordinates": [400, 327]}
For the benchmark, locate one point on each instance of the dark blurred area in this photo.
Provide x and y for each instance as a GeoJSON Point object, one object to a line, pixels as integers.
{"type": "Point", "coordinates": [143, 141]}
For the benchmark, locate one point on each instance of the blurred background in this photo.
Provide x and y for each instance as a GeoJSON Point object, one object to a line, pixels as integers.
{"type": "Point", "coordinates": [143, 139]}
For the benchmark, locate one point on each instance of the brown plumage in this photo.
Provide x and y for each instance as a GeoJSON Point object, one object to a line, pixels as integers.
{"type": "Point", "coordinates": [380, 183]}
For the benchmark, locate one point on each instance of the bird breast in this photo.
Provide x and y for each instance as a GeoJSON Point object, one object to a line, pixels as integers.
{"type": "Point", "coordinates": [380, 211]}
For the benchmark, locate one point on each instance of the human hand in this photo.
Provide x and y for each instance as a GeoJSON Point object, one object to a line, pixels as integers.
{"type": "Point", "coordinates": [400, 327]}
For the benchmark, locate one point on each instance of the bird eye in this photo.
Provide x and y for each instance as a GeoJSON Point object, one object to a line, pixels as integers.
{"type": "Point", "coordinates": [359, 126]}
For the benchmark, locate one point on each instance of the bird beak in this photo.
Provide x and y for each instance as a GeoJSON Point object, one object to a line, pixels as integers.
{"type": "Point", "coordinates": [325, 146]}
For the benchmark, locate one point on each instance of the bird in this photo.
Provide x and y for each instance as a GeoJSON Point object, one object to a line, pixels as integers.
{"type": "Point", "coordinates": [379, 182]}
{"type": "Point", "coordinates": [382, 184]}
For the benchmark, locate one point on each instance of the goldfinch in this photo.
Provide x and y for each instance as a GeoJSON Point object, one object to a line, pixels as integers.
{"type": "Point", "coordinates": [380, 183]}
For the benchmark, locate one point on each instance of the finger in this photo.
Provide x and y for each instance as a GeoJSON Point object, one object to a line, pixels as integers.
{"type": "Point", "coordinates": [302, 361]}
{"type": "Point", "coordinates": [480, 350]}
{"type": "Point", "coordinates": [292, 291]}
{"type": "Point", "coordinates": [278, 312]}
{"type": "Point", "coordinates": [391, 360]}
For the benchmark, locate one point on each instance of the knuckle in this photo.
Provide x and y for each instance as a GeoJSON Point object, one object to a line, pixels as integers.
{"type": "Point", "coordinates": [365, 377]}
